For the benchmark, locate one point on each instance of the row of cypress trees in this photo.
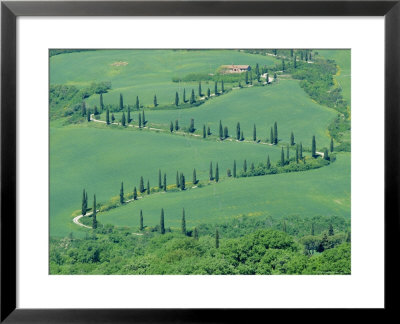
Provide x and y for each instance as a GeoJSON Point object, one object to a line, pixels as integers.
{"type": "Point", "coordinates": [183, 226]}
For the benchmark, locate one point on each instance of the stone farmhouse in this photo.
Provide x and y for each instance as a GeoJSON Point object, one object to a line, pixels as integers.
{"type": "Point", "coordinates": [235, 68]}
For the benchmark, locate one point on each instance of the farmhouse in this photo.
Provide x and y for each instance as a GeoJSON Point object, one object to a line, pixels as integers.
{"type": "Point", "coordinates": [235, 68]}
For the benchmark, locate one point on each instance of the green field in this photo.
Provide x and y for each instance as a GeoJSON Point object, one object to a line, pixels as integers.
{"type": "Point", "coordinates": [325, 191]}
{"type": "Point", "coordinates": [284, 102]}
{"type": "Point", "coordinates": [147, 73]}
{"type": "Point", "coordinates": [343, 77]}
{"type": "Point", "coordinates": [98, 159]}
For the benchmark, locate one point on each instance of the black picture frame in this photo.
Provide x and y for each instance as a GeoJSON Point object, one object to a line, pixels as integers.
{"type": "Point", "coordinates": [9, 13]}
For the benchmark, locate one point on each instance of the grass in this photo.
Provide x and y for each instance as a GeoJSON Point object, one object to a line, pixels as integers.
{"type": "Point", "coordinates": [284, 102]}
{"type": "Point", "coordinates": [343, 60]}
{"type": "Point", "coordinates": [147, 73]}
{"type": "Point", "coordinates": [324, 191]}
{"type": "Point", "coordinates": [98, 159]}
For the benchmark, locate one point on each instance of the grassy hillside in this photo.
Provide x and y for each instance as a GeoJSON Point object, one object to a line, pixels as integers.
{"type": "Point", "coordinates": [146, 73]}
{"type": "Point", "coordinates": [325, 191]}
{"type": "Point", "coordinates": [98, 159]}
{"type": "Point", "coordinates": [284, 102]}
{"type": "Point", "coordinates": [343, 77]}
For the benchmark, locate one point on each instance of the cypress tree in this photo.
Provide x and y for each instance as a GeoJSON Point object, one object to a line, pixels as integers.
{"type": "Point", "coordinates": [283, 65]}
{"type": "Point", "coordinates": [313, 147]}
{"type": "Point", "coordinates": [183, 227]}
{"type": "Point", "coordinates": [254, 133]}
{"type": "Point", "coordinates": [143, 118]}
{"type": "Point", "coordinates": [129, 115]}
{"type": "Point", "coordinates": [204, 131]}
{"type": "Point", "coordinates": [176, 99]}
{"type": "Point", "coordinates": [211, 172]}
{"type": "Point", "coordinates": [268, 163]}
{"type": "Point", "coordinates": [216, 88]}
{"type": "Point", "coordinates": [162, 228]}
{"type": "Point", "coordinates": [266, 78]}
{"type": "Point", "coordinates": [176, 124]}
{"type": "Point", "coordinates": [234, 168]}
{"type": "Point", "coordinates": [301, 55]}
{"type": "Point", "coordinates": [141, 186]}
{"type": "Point", "coordinates": [88, 115]}
{"type": "Point", "coordinates": [184, 95]}
{"type": "Point", "coordinates": [222, 86]}
{"type": "Point", "coordinates": [252, 166]}
{"type": "Point", "coordinates": [183, 184]}
{"type": "Point", "coordinates": [159, 179]}
{"type": "Point", "coordinates": [121, 193]}
{"type": "Point", "coordinates": [208, 131]}
{"type": "Point", "coordinates": [112, 117]}
{"type": "Point", "coordinates": [140, 120]}
{"type": "Point", "coordinates": [108, 117]}
{"type": "Point", "coordinates": [297, 153]}
{"type": "Point", "coordinates": [141, 221]}
{"type": "Point", "coordinates": [208, 93]}
{"type": "Point", "coordinates": [331, 146]}
{"type": "Point", "coordinates": [287, 153]}
{"type": "Point", "coordinates": [247, 77]}
{"type": "Point", "coordinates": [94, 220]}
{"type": "Point", "coordinates": [226, 134]}
{"type": "Point", "coordinates": [326, 154]}
{"type": "Point", "coordinates": [155, 101]}
{"type": "Point", "coordinates": [134, 194]}
{"type": "Point", "coordinates": [216, 173]}
{"type": "Point", "coordinates": [200, 94]}
{"type": "Point", "coordinates": [245, 166]}
{"type": "Point", "coordinates": [191, 127]}
{"type": "Point", "coordinates": [271, 137]}
{"type": "Point", "coordinates": [331, 232]}
{"type": "Point", "coordinates": [196, 233]}
{"type": "Point", "coordinates": [291, 53]}
{"type": "Point", "coordinates": [241, 136]}
{"type": "Point", "coordinates": [177, 180]}
{"type": "Point", "coordinates": [282, 157]}
{"type": "Point", "coordinates": [96, 112]}
{"type": "Point", "coordinates": [275, 133]}
{"type": "Point", "coordinates": [192, 98]}
{"type": "Point", "coordinates": [291, 138]}
{"type": "Point", "coordinates": [123, 120]}
{"type": "Point", "coordinates": [121, 102]}
{"type": "Point", "coordinates": [221, 133]}
{"type": "Point", "coordinates": [148, 187]}
{"type": "Point", "coordinates": [101, 102]}
{"type": "Point", "coordinates": [238, 131]}
{"type": "Point", "coordinates": [84, 203]}
{"type": "Point", "coordinates": [295, 62]}
{"type": "Point", "coordinates": [194, 177]}
{"type": "Point", "coordinates": [165, 182]}
{"type": "Point", "coordinates": [216, 239]}
{"type": "Point", "coordinates": [171, 127]}
{"type": "Point", "coordinates": [137, 103]}
{"type": "Point", "coordinates": [275, 77]}
{"type": "Point", "coordinates": [301, 150]}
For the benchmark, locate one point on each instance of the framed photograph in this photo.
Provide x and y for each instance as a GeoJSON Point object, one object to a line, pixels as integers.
{"type": "Point", "coordinates": [186, 161]}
